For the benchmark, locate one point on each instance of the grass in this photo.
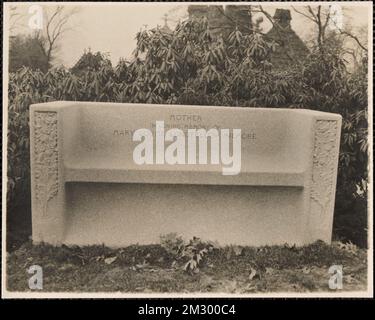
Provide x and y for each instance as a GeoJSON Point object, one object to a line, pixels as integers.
{"type": "Point", "coordinates": [156, 269]}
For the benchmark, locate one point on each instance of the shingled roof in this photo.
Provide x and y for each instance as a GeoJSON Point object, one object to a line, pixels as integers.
{"type": "Point", "coordinates": [290, 48]}
{"type": "Point", "coordinates": [222, 21]}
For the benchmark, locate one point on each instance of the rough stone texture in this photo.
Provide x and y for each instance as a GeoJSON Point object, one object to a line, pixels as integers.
{"type": "Point", "coordinates": [45, 158]}
{"type": "Point", "coordinates": [325, 159]}
{"type": "Point", "coordinates": [47, 173]}
{"type": "Point", "coordinates": [86, 188]}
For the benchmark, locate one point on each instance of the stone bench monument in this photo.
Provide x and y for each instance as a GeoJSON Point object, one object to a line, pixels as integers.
{"type": "Point", "coordinates": [87, 188]}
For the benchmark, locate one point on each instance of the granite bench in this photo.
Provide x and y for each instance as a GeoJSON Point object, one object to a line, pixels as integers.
{"type": "Point", "coordinates": [87, 189]}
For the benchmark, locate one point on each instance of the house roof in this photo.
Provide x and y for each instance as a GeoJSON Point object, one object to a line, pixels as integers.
{"type": "Point", "coordinates": [290, 48]}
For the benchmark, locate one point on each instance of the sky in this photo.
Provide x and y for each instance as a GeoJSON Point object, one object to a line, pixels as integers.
{"type": "Point", "coordinates": [111, 27]}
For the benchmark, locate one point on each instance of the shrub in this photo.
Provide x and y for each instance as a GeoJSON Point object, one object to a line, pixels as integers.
{"type": "Point", "coordinates": [189, 66]}
{"type": "Point", "coordinates": [190, 253]}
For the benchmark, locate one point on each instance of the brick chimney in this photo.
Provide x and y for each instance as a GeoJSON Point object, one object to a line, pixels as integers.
{"type": "Point", "coordinates": [282, 17]}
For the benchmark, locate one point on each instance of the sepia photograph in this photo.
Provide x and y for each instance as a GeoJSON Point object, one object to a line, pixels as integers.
{"type": "Point", "coordinates": [187, 150]}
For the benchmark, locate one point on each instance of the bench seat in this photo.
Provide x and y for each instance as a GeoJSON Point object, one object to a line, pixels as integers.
{"type": "Point", "coordinates": [87, 189]}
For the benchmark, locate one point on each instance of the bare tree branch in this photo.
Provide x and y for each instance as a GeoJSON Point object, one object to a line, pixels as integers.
{"type": "Point", "coordinates": [55, 28]}
{"type": "Point", "coordinates": [346, 33]}
{"type": "Point", "coordinates": [320, 18]}
{"type": "Point", "coordinates": [354, 38]}
{"type": "Point", "coordinates": [313, 15]}
{"type": "Point", "coordinates": [312, 18]}
{"type": "Point", "coordinates": [14, 18]}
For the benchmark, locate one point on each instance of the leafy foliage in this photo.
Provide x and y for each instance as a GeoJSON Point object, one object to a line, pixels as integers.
{"type": "Point", "coordinates": [90, 61]}
{"type": "Point", "coordinates": [191, 253]}
{"type": "Point", "coordinates": [27, 51]}
{"type": "Point", "coordinates": [195, 255]}
{"type": "Point", "coordinates": [190, 66]}
{"type": "Point", "coordinates": [147, 269]}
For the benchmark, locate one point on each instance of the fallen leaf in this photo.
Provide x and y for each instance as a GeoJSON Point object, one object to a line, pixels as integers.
{"type": "Point", "coordinates": [237, 250]}
{"type": "Point", "coordinates": [142, 265]}
{"type": "Point", "coordinates": [199, 258]}
{"type": "Point", "coordinates": [306, 270]}
{"type": "Point", "coordinates": [350, 247]}
{"type": "Point", "coordinates": [270, 271]}
{"type": "Point", "coordinates": [250, 288]}
{"type": "Point", "coordinates": [349, 279]}
{"type": "Point", "coordinates": [110, 260]}
{"type": "Point", "coordinates": [66, 267]}
{"type": "Point", "coordinates": [252, 274]}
